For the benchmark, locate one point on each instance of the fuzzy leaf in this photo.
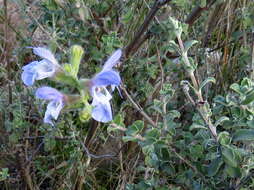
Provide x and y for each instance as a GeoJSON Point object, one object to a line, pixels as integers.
{"type": "Point", "coordinates": [224, 138]}
{"type": "Point", "coordinates": [244, 135]}
{"type": "Point", "coordinates": [249, 98]}
{"type": "Point", "coordinates": [173, 47]}
{"type": "Point", "coordinates": [189, 44]}
{"type": "Point", "coordinates": [236, 87]}
{"type": "Point", "coordinates": [177, 26]}
{"type": "Point", "coordinates": [152, 136]}
{"type": "Point", "coordinates": [214, 166]}
{"type": "Point", "coordinates": [221, 120]}
{"type": "Point", "coordinates": [135, 128]}
{"type": "Point", "coordinates": [129, 138]}
{"type": "Point", "coordinates": [197, 126]}
{"type": "Point", "coordinates": [206, 81]}
{"type": "Point", "coordinates": [229, 156]}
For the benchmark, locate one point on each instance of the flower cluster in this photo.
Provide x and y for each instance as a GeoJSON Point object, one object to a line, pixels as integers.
{"type": "Point", "coordinates": [48, 67]}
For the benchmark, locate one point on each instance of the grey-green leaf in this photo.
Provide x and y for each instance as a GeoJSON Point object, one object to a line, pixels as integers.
{"type": "Point", "coordinates": [172, 46]}
{"type": "Point", "coordinates": [197, 126]}
{"type": "Point", "coordinates": [189, 44]}
{"type": "Point", "coordinates": [135, 128]}
{"type": "Point", "coordinates": [244, 135]}
{"type": "Point", "coordinates": [249, 98]}
{"type": "Point", "coordinates": [129, 138]}
{"type": "Point", "coordinates": [221, 120]}
{"type": "Point", "coordinates": [236, 88]}
{"type": "Point", "coordinates": [229, 156]}
{"type": "Point", "coordinates": [224, 138]}
{"type": "Point", "coordinates": [207, 80]}
{"type": "Point", "coordinates": [214, 166]}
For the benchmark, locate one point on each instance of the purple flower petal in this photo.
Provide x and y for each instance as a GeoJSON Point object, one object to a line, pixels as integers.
{"type": "Point", "coordinates": [28, 77]}
{"type": "Point", "coordinates": [48, 93]}
{"type": "Point", "coordinates": [102, 95]}
{"type": "Point", "coordinates": [102, 109]}
{"type": "Point", "coordinates": [37, 70]}
{"type": "Point", "coordinates": [30, 65]}
{"type": "Point", "coordinates": [53, 110]}
{"type": "Point", "coordinates": [102, 112]}
{"type": "Point", "coordinates": [106, 78]}
{"type": "Point", "coordinates": [45, 54]}
{"type": "Point", "coordinates": [45, 69]}
{"type": "Point", "coordinates": [112, 60]}
{"type": "Point", "coordinates": [55, 105]}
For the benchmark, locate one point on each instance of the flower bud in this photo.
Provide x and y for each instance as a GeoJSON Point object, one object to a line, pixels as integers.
{"type": "Point", "coordinates": [75, 58]}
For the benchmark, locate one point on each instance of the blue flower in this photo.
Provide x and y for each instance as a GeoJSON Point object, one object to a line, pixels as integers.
{"type": "Point", "coordinates": [101, 97]}
{"type": "Point", "coordinates": [102, 109]}
{"type": "Point", "coordinates": [56, 104]}
{"type": "Point", "coordinates": [38, 70]}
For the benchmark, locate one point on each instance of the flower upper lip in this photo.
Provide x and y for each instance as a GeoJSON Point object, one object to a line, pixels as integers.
{"type": "Point", "coordinates": [45, 54]}
{"type": "Point", "coordinates": [105, 78]}
{"type": "Point", "coordinates": [112, 60]}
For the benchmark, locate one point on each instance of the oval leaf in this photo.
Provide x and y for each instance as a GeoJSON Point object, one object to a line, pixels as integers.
{"type": "Point", "coordinates": [135, 128]}
{"type": "Point", "coordinates": [214, 166]}
{"type": "Point", "coordinates": [249, 98]}
{"type": "Point", "coordinates": [235, 87]}
{"type": "Point", "coordinates": [221, 120]}
{"type": "Point", "coordinates": [244, 135]}
{"type": "Point", "coordinates": [229, 156]}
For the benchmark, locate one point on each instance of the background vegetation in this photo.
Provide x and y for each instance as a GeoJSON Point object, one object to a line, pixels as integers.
{"type": "Point", "coordinates": [185, 119]}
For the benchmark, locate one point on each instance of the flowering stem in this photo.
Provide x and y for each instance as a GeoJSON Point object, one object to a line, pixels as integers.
{"type": "Point", "coordinates": [190, 73]}
{"type": "Point", "coordinates": [202, 110]}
